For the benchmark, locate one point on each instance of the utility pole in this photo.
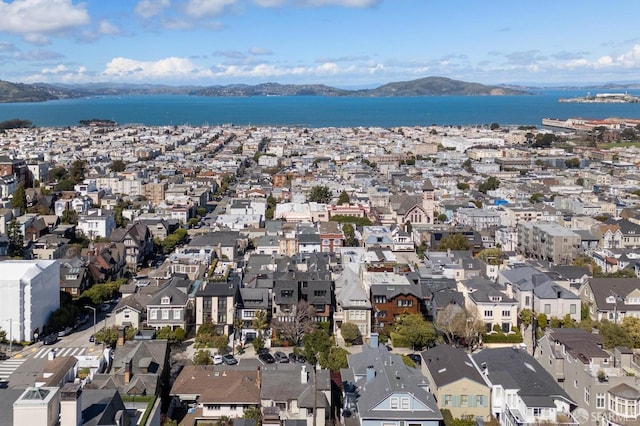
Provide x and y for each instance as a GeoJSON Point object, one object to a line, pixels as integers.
{"type": "Point", "coordinates": [315, 396]}
{"type": "Point", "coordinates": [10, 337]}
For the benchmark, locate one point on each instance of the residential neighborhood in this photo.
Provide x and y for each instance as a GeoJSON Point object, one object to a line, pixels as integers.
{"type": "Point", "coordinates": [236, 275]}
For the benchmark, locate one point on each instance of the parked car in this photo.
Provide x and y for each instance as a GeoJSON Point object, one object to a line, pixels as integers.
{"type": "Point", "coordinates": [266, 357]}
{"type": "Point", "coordinates": [297, 358]}
{"type": "Point", "coordinates": [50, 339]}
{"type": "Point", "coordinates": [66, 331]}
{"type": "Point", "coordinates": [104, 307]}
{"type": "Point", "coordinates": [217, 359]}
{"type": "Point", "coordinates": [281, 357]}
{"type": "Point", "coordinates": [92, 338]}
{"type": "Point", "coordinates": [416, 358]}
{"type": "Point", "coordinates": [229, 359]}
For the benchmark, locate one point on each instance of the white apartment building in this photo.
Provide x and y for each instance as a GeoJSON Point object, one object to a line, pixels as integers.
{"type": "Point", "coordinates": [29, 293]}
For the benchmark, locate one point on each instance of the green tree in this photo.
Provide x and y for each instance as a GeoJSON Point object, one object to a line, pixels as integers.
{"type": "Point", "coordinates": [349, 235]}
{"type": "Point", "coordinates": [572, 163]}
{"type": "Point", "coordinates": [334, 359]}
{"type": "Point", "coordinates": [415, 330]}
{"type": "Point", "coordinates": [3, 335]}
{"type": "Point", "coordinates": [408, 361]}
{"type": "Point", "coordinates": [453, 242]}
{"type": "Point", "coordinates": [16, 239]}
{"type": "Point", "coordinates": [202, 357]}
{"type": "Point", "coordinates": [172, 336]}
{"type": "Point", "coordinates": [253, 412]}
{"type": "Point", "coordinates": [442, 218]}
{"type": "Point", "coordinates": [408, 227]}
{"type": "Point", "coordinates": [58, 173]}
{"type": "Point", "coordinates": [614, 335]}
{"type": "Point", "coordinates": [19, 199]}
{"type": "Point", "coordinates": [494, 126]}
{"type": "Point", "coordinates": [567, 322]}
{"type": "Point", "coordinates": [467, 165]}
{"type": "Point", "coordinates": [542, 320]}
{"type": "Point", "coordinates": [260, 322]}
{"type": "Point", "coordinates": [536, 197]}
{"type": "Point", "coordinates": [490, 256]}
{"type": "Point", "coordinates": [69, 217]}
{"type": "Point", "coordinates": [350, 332]}
{"type": "Point", "coordinates": [490, 184]}
{"type": "Point", "coordinates": [65, 185]}
{"type": "Point", "coordinates": [526, 316]}
{"type": "Point", "coordinates": [343, 198]}
{"type": "Point", "coordinates": [316, 343]}
{"type": "Point", "coordinates": [463, 186]}
{"type": "Point", "coordinates": [107, 335]}
{"type": "Point", "coordinates": [77, 171]}
{"type": "Point", "coordinates": [271, 207]}
{"type": "Point", "coordinates": [631, 326]}
{"type": "Point", "coordinates": [118, 166]}
{"type": "Point", "coordinates": [320, 194]}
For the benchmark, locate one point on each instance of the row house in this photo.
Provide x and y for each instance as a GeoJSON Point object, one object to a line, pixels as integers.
{"type": "Point", "coordinates": [611, 298]}
{"type": "Point", "coordinates": [602, 382]}
{"type": "Point", "coordinates": [171, 305]}
{"type": "Point", "coordinates": [217, 302]}
{"type": "Point", "coordinates": [534, 290]}
{"type": "Point", "coordinates": [353, 303]}
{"type": "Point", "coordinates": [138, 243]}
{"type": "Point", "coordinates": [307, 278]}
{"type": "Point", "coordinates": [392, 295]}
{"type": "Point", "coordinates": [522, 391]}
{"type": "Point", "coordinates": [493, 305]}
{"type": "Point", "coordinates": [97, 223]}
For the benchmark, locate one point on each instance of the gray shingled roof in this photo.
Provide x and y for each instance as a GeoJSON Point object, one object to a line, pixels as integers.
{"type": "Point", "coordinates": [448, 364]}
{"type": "Point", "coordinates": [513, 368]}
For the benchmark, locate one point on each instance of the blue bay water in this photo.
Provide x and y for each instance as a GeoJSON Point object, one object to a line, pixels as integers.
{"type": "Point", "coordinates": [316, 111]}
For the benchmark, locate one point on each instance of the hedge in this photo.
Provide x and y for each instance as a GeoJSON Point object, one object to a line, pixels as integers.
{"type": "Point", "coordinates": [502, 338]}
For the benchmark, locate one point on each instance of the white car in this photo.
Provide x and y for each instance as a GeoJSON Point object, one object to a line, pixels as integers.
{"type": "Point", "coordinates": [217, 359]}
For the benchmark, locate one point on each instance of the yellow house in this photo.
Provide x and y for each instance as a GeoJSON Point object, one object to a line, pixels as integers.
{"type": "Point", "coordinates": [456, 382]}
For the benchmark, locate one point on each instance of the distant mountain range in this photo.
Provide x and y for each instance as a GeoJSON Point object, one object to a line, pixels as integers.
{"type": "Point", "coordinates": [428, 86]}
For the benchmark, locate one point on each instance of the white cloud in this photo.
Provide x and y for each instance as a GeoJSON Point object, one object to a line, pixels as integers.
{"type": "Point", "coordinates": [37, 39]}
{"type": "Point", "coordinates": [631, 59]}
{"type": "Point", "coordinates": [201, 8]}
{"type": "Point", "coordinates": [319, 3]}
{"type": "Point", "coordinates": [259, 51]}
{"type": "Point", "coordinates": [172, 68]}
{"type": "Point", "coordinates": [343, 3]}
{"type": "Point", "coordinates": [57, 70]}
{"type": "Point", "coordinates": [37, 17]}
{"type": "Point", "coordinates": [107, 28]}
{"type": "Point", "coordinates": [149, 8]}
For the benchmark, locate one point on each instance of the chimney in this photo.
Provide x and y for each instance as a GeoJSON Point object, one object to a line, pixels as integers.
{"type": "Point", "coordinates": [374, 340]}
{"type": "Point", "coordinates": [371, 373]}
{"type": "Point", "coordinates": [304, 376]}
{"type": "Point", "coordinates": [71, 405]}
{"type": "Point", "coordinates": [121, 333]}
{"type": "Point", "coordinates": [127, 371]}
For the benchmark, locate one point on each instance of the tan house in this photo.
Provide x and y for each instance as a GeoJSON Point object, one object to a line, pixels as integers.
{"type": "Point", "coordinates": [456, 382]}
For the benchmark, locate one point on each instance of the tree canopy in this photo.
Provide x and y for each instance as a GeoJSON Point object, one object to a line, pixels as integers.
{"type": "Point", "coordinates": [417, 331]}
{"type": "Point", "coordinates": [453, 242]}
{"type": "Point", "coordinates": [320, 194]}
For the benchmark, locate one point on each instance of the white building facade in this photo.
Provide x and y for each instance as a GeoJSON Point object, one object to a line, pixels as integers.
{"type": "Point", "coordinates": [29, 293]}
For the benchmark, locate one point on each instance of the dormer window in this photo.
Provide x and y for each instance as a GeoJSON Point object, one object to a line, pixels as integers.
{"type": "Point", "coordinates": [165, 300]}
{"type": "Point", "coordinates": [611, 299]}
{"type": "Point", "coordinates": [496, 298]}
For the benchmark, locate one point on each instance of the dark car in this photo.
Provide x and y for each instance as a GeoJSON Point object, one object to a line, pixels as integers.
{"type": "Point", "coordinates": [92, 338]}
{"type": "Point", "coordinates": [229, 359]}
{"type": "Point", "coordinates": [297, 358]}
{"type": "Point", "coordinates": [416, 358]}
{"type": "Point", "coordinates": [281, 357]}
{"type": "Point", "coordinates": [50, 339]}
{"type": "Point", "coordinates": [266, 357]}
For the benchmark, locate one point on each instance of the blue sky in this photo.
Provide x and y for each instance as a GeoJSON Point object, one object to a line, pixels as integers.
{"type": "Point", "coordinates": [344, 43]}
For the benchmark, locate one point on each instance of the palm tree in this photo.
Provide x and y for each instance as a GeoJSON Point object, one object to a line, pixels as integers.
{"type": "Point", "coordinates": [224, 421]}
{"type": "Point", "coordinates": [260, 322]}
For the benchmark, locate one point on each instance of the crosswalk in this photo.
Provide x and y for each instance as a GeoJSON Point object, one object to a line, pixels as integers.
{"type": "Point", "coordinates": [8, 366]}
{"type": "Point", "coordinates": [44, 352]}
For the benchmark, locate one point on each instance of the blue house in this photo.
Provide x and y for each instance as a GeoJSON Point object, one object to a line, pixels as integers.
{"type": "Point", "coordinates": [379, 389]}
